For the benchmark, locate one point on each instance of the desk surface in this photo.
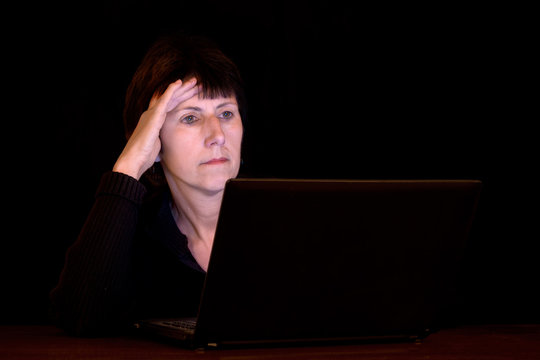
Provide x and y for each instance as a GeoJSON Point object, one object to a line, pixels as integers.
{"type": "Point", "coordinates": [471, 342]}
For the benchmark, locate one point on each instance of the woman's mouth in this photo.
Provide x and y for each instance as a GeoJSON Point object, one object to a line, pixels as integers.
{"type": "Point", "coordinates": [216, 161]}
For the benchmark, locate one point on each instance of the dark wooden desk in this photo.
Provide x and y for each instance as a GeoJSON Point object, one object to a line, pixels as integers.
{"type": "Point", "coordinates": [472, 342]}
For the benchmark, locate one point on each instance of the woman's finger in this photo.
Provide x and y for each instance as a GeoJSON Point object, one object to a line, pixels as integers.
{"type": "Point", "coordinates": [175, 93]}
{"type": "Point", "coordinates": [164, 98]}
{"type": "Point", "coordinates": [180, 94]}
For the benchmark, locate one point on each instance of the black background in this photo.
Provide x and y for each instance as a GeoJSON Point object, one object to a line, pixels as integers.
{"type": "Point", "coordinates": [335, 90]}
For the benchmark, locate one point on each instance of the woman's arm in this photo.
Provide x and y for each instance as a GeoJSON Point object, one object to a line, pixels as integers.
{"type": "Point", "coordinates": [94, 294]}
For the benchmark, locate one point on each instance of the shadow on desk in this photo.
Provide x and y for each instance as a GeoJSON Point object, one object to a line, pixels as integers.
{"type": "Point", "coordinates": [469, 342]}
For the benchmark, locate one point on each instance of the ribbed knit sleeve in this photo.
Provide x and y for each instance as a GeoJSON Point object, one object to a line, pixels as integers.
{"type": "Point", "coordinates": [118, 184]}
{"type": "Point", "coordinates": [95, 292]}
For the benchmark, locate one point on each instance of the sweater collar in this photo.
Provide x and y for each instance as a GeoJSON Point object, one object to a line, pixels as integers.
{"type": "Point", "coordinates": [164, 228]}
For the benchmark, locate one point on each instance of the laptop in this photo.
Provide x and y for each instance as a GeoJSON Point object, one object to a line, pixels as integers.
{"type": "Point", "coordinates": [304, 261]}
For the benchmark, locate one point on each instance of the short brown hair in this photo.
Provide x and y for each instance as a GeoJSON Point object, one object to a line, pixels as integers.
{"type": "Point", "coordinates": [181, 56]}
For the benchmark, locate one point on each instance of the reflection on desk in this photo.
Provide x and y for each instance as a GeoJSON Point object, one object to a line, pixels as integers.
{"type": "Point", "coordinates": [470, 342]}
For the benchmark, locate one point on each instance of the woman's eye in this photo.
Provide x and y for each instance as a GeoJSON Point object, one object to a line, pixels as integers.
{"type": "Point", "coordinates": [190, 119]}
{"type": "Point", "coordinates": [227, 114]}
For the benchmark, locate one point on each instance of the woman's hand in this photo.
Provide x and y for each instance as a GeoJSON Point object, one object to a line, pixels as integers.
{"type": "Point", "coordinates": [144, 145]}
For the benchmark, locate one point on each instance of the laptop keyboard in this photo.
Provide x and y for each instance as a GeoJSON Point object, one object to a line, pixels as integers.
{"type": "Point", "coordinates": [184, 324]}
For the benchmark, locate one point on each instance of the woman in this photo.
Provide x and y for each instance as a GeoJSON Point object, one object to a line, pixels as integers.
{"type": "Point", "coordinates": [145, 246]}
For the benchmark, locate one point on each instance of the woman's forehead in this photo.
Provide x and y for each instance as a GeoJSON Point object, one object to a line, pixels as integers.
{"type": "Point", "coordinates": [201, 103]}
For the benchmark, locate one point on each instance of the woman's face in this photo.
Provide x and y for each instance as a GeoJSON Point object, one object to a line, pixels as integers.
{"type": "Point", "coordinates": [200, 143]}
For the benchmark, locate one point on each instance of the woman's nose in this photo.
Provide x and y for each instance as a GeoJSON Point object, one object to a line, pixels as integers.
{"type": "Point", "coordinates": [214, 132]}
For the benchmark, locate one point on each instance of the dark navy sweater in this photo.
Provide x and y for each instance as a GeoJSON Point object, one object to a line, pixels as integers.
{"type": "Point", "coordinates": [129, 262]}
